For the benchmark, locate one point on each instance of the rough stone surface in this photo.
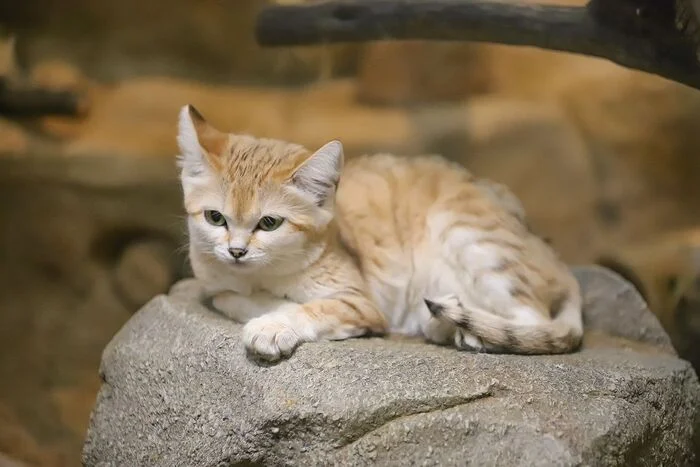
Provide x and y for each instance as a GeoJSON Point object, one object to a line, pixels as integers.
{"type": "Point", "coordinates": [179, 390]}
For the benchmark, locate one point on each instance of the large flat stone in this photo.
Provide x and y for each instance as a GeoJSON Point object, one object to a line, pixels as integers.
{"type": "Point", "coordinates": [179, 390]}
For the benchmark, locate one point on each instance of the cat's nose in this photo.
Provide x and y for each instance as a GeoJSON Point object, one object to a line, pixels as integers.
{"type": "Point", "coordinates": [237, 252]}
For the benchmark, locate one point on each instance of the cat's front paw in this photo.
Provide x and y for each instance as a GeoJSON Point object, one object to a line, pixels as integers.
{"type": "Point", "coordinates": [270, 338]}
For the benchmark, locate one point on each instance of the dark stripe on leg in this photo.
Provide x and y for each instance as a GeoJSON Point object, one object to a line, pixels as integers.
{"type": "Point", "coordinates": [435, 308]}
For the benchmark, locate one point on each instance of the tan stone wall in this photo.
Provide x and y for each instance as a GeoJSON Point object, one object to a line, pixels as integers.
{"type": "Point", "coordinates": [202, 39]}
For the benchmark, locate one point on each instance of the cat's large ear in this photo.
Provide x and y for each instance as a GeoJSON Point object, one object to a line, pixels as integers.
{"type": "Point", "coordinates": [200, 143]}
{"type": "Point", "coordinates": [319, 174]}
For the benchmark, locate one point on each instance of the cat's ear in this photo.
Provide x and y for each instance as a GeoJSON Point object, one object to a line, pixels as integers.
{"type": "Point", "coordinates": [201, 145]}
{"type": "Point", "coordinates": [319, 174]}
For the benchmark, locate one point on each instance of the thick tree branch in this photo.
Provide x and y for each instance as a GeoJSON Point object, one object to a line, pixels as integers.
{"type": "Point", "coordinates": [637, 34]}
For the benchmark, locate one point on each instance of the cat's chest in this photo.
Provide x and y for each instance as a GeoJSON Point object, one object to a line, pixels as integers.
{"type": "Point", "coordinates": [283, 290]}
{"type": "Point", "coordinates": [299, 288]}
{"type": "Point", "coordinates": [289, 289]}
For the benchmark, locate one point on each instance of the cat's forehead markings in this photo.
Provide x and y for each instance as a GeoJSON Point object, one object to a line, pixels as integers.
{"type": "Point", "coordinates": [243, 199]}
{"type": "Point", "coordinates": [250, 161]}
{"type": "Point", "coordinates": [251, 166]}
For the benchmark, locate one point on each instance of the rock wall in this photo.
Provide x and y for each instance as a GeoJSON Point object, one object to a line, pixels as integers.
{"type": "Point", "coordinates": [85, 242]}
{"type": "Point", "coordinates": [207, 39]}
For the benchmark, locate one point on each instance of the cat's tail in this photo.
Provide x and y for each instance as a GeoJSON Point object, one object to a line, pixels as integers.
{"type": "Point", "coordinates": [561, 334]}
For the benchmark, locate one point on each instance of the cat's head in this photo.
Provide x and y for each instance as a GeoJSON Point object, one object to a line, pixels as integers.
{"type": "Point", "coordinates": [255, 204]}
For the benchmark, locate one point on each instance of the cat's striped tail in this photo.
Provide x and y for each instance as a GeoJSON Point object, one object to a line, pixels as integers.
{"type": "Point", "coordinates": [562, 334]}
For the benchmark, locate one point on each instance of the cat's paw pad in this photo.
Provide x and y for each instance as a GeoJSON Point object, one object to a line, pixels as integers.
{"type": "Point", "coordinates": [269, 338]}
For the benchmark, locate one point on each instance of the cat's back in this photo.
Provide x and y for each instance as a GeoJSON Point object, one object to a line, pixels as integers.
{"type": "Point", "coordinates": [402, 188]}
{"type": "Point", "coordinates": [383, 204]}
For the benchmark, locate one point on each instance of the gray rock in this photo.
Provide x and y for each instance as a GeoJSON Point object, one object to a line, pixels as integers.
{"type": "Point", "coordinates": [179, 390]}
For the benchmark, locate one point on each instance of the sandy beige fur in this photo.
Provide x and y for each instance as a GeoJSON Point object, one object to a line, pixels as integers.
{"type": "Point", "coordinates": [408, 245]}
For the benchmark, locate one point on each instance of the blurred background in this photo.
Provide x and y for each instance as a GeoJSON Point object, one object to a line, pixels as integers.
{"type": "Point", "coordinates": [605, 160]}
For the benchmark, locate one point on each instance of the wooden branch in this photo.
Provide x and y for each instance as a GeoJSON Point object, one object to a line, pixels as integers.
{"type": "Point", "coordinates": [638, 34]}
{"type": "Point", "coordinates": [38, 102]}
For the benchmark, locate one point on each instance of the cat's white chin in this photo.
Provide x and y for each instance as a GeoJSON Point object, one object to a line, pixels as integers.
{"type": "Point", "coordinates": [240, 265]}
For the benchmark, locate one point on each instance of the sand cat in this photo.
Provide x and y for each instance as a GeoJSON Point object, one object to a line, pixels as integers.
{"type": "Point", "coordinates": [301, 248]}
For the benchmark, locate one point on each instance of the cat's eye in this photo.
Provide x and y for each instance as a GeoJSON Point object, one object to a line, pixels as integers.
{"type": "Point", "coordinates": [269, 223]}
{"type": "Point", "coordinates": [214, 218]}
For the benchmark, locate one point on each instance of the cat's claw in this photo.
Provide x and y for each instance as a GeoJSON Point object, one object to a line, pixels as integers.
{"type": "Point", "coordinates": [269, 339]}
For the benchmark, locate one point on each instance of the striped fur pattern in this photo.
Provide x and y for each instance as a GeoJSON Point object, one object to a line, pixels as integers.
{"type": "Point", "coordinates": [415, 246]}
